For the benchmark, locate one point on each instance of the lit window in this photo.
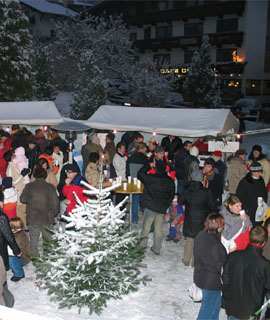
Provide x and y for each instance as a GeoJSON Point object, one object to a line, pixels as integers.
{"type": "Point", "coordinates": [253, 87]}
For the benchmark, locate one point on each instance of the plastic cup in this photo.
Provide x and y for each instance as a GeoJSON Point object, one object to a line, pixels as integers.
{"type": "Point", "coordinates": [110, 180]}
{"type": "Point", "coordinates": [129, 179]}
{"type": "Point", "coordinates": [242, 212]}
{"type": "Point", "coordinates": [105, 172]}
{"type": "Point", "coordinates": [120, 179]}
{"type": "Point", "coordinates": [125, 186]}
{"type": "Point", "coordinates": [138, 184]}
{"type": "Point", "coordinates": [135, 180]}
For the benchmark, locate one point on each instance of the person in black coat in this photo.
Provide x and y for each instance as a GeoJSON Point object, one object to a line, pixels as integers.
{"type": "Point", "coordinates": [171, 144]}
{"type": "Point", "coordinates": [6, 236]}
{"type": "Point", "coordinates": [157, 196]}
{"type": "Point", "coordinates": [199, 203]}
{"type": "Point", "coordinates": [32, 153]}
{"type": "Point", "coordinates": [250, 188]}
{"type": "Point", "coordinates": [246, 277]}
{"type": "Point", "coordinates": [209, 258]}
{"type": "Point", "coordinates": [180, 157]}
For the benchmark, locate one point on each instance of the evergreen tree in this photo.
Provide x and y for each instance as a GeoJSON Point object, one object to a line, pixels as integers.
{"type": "Point", "coordinates": [90, 92]}
{"type": "Point", "coordinates": [44, 71]}
{"type": "Point", "coordinates": [201, 84]}
{"type": "Point", "coordinates": [16, 78]}
{"type": "Point", "coordinates": [96, 260]}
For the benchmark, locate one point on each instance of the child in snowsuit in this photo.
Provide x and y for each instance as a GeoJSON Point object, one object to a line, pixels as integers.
{"type": "Point", "coordinates": [17, 263]}
{"type": "Point", "coordinates": [21, 162]}
{"type": "Point", "coordinates": [10, 198]}
{"type": "Point", "coordinates": [176, 217]}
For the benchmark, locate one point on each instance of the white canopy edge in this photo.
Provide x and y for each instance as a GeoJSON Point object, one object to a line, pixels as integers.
{"type": "Point", "coordinates": [29, 113]}
{"type": "Point", "coordinates": [176, 122]}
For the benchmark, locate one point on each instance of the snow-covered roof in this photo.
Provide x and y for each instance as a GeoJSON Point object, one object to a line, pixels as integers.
{"type": "Point", "coordinates": [176, 122]}
{"type": "Point", "coordinates": [48, 7]}
{"type": "Point", "coordinates": [29, 113]}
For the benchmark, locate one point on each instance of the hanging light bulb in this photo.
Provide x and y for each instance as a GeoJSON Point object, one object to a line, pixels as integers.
{"type": "Point", "coordinates": [114, 131]}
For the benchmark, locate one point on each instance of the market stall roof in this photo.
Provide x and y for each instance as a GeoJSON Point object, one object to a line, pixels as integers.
{"type": "Point", "coordinates": [176, 122]}
{"type": "Point", "coordinates": [29, 113]}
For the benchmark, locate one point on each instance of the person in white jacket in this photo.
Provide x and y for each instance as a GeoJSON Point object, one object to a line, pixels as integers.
{"type": "Point", "coordinates": [119, 160]}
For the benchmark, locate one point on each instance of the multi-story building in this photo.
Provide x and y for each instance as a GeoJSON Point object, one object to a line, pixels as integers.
{"type": "Point", "coordinates": [41, 14]}
{"type": "Point", "coordinates": [239, 33]}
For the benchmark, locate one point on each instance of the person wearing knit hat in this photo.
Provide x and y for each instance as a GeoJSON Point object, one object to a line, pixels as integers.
{"type": "Point", "coordinates": [250, 188]}
{"type": "Point", "coordinates": [212, 179]}
{"type": "Point", "coordinates": [257, 155]}
{"type": "Point", "coordinates": [237, 170]}
{"type": "Point", "coordinates": [220, 165]}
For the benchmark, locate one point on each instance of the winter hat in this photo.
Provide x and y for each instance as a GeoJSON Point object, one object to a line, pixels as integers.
{"type": "Point", "coordinates": [196, 175]}
{"type": "Point", "coordinates": [110, 136]}
{"type": "Point", "coordinates": [256, 167]}
{"type": "Point", "coordinates": [210, 161]}
{"type": "Point", "coordinates": [159, 149]}
{"type": "Point", "coordinates": [194, 151]}
{"type": "Point", "coordinates": [257, 148]}
{"type": "Point", "coordinates": [217, 154]}
{"type": "Point", "coordinates": [240, 152]}
{"type": "Point", "coordinates": [71, 167]}
{"type": "Point", "coordinates": [7, 182]}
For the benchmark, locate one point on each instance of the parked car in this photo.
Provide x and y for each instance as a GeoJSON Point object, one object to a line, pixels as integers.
{"type": "Point", "coordinates": [248, 108]}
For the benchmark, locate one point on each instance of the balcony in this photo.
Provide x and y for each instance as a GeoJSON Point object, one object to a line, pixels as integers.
{"type": "Point", "coordinates": [210, 9]}
{"type": "Point", "coordinates": [234, 38]}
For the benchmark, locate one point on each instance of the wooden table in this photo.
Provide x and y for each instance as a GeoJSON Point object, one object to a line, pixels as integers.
{"type": "Point", "coordinates": [131, 189]}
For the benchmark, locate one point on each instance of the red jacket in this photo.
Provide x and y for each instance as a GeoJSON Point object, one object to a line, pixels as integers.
{"type": "Point", "coordinates": [4, 147]}
{"type": "Point", "coordinates": [169, 168]}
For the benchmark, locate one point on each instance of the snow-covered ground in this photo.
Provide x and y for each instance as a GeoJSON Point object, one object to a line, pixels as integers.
{"type": "Point", "coordinates": [165, 297]}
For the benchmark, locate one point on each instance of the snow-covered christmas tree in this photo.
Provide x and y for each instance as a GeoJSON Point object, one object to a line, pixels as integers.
{"type": "Point", "coordinates": [94, 261]}
{"type": "Point", "coordinates": [16, 77]}
{"type": "Point", "coordinates": [91, 89]}
{"type": "Point", "coordinates": [201, 83]}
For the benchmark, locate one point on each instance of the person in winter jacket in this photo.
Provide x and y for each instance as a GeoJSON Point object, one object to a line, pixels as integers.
{"type": "Point", "coordinates": [51, 178]}
{"type": "Point", "coordinates": [209, 258]}
{"type": "Point", "coordinates": [171, 144]}
{"type": "Point", "coordinates": [132, 147]}
{"type": "Point", "coordinates": [191, 163]}
{"type": "Point", "coordinates": [91, 172]}
{"type": "Point", "coordinates": [119, 160]}
{"type": "Point", "coordinates": [110, 146]}
{"type": "Point", "coordinates": [246, 277]}
{"type": "Point", "coordinates": [42, 206]}
{"type": "Point", "coordinates": [10, 198]}
{"type": "Point", "coordinates": [157, 196]}
{"type": "Point", "coordinates": [212, 180]}
{"type": "Point", "coordinates": [235, 235]}
{"type": "Point", "coordinates": [17, 263]}
{"type": "Point", "coordinates": [55, 139]}
{"type": "Point", "coordinates": [237, 170]}
{"type": "Point", "coordinates": [32, 153]}
{"type": "Point", "coordinates": [257, 155]}
{"type": "Point", "coordinates": [250, 188]}
{"type": "Point", "coordinates": [5, 145]}
{"type": "Point", "coordinates": [176, 217]}
{"type": "Point", "coordinates": [73, 184]}
{"type": "Point", "coordinates": [180, 157]}
{"type": "Point", "coordinates": [41, 140]}
{"type": "Point", "coordinates": [6, 236]}
{"type": "Point", "coordinates": [92, 145]}
{"type": "Point", "coordinates": [17, 182]}
{"type": "Point", "coordinates": [22, 163]}
{"type": "Point", "coordinates": [58, 159]}
{"type": "Point", "coordinates": [48, 156]}
{"type": "Point", "coordinates": [198, 203]}
{"type": "Point", "coordinates": [159, 155]}
{"type": "Point", "coordinates": [220, 165]}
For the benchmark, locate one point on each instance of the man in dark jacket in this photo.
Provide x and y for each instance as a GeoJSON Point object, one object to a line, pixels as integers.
{"type": "Point", "coordinates": [180, 157]}
{"type": "Point", "coordinates": [250, 188]}
{"type": "Point", "coordinates": [157, 196]}
{"type": "Point", "coordinates": [199, 203]}
{"type": "Point", "coordinates": [246, 277]}
{"type": "Point", "coordinates": [171, 144]}
{"type": "Point", "coordinates": [42, 205]}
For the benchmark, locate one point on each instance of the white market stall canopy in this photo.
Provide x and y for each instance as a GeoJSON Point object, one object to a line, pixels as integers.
{"type": "Point", "coordinates": [176, 122]}
{"type": "Point", "coordinates": [29, 113]}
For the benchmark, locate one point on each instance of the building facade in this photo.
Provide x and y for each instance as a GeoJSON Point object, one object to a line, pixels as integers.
{"type": "Point", "coordinates": [239, 33]}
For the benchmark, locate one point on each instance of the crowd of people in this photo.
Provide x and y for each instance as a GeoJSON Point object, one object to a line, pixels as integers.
{"type": "Point", "coordinates": [210, 204]}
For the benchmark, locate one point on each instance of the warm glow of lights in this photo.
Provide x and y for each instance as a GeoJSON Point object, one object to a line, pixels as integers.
{"type": "Point", "coordinates": [238, 136]}
{"type": "Point", "coordinates": [253, 85]}
{"type": "Point", "coordinates": [114, 131]}
{"type": "Point", "coordinates": [45, 128]}
{"type": "Point", "coordinates": [236, 58]}
{"type": "Point", "coordinates": [154, 134]}
{"type": "Point", "coordinates": [7, 129]}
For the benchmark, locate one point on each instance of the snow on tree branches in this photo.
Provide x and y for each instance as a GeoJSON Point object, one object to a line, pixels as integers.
{"type": "Point", "coordinates": [201, 84]}
{"type": "Point", "coordinates": [96, 259]}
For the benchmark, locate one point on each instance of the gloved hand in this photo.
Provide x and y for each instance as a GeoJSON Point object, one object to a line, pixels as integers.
{"type": "Point", "coordinates": [25, 172]}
